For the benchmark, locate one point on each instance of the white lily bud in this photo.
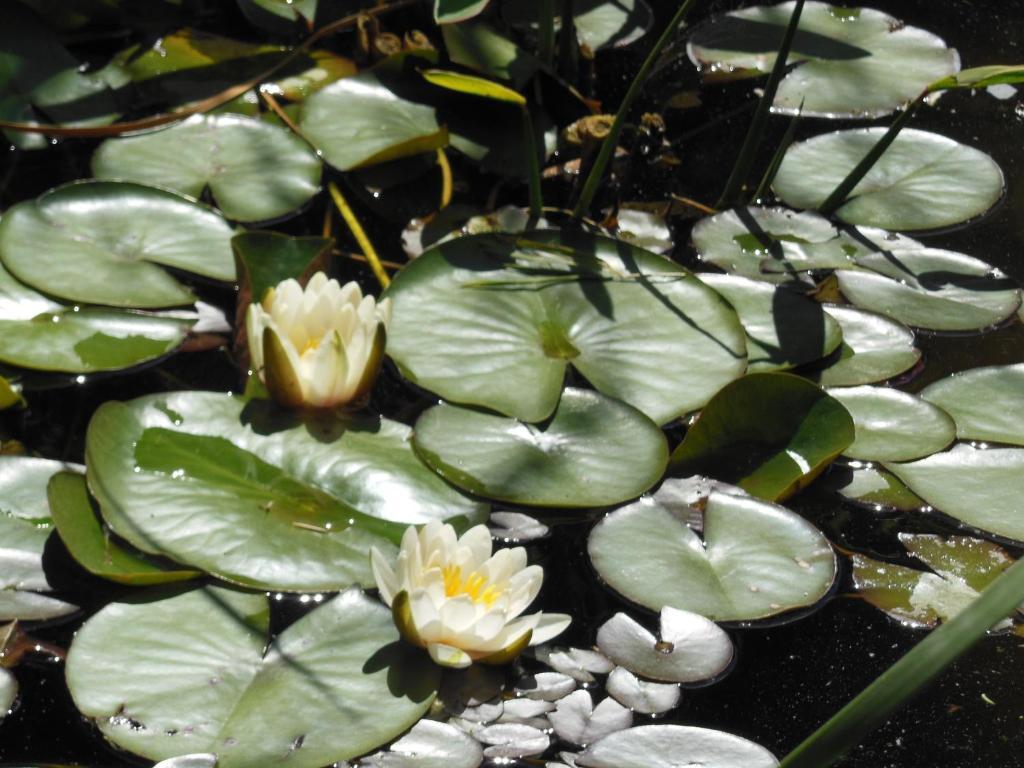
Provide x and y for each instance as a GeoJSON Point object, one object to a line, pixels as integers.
{"type": "Point", "coordinates": [320, 347]}
{"type": "Point", "coordinates": [453, 597]}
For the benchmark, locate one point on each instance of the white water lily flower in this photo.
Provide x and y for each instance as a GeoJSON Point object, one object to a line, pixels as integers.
{"type": "Point", "coordinates": [320, 347]}
{"type": "Point", "coordinates": [453, 597]}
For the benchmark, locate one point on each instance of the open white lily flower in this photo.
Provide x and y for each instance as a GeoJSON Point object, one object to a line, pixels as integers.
{"type": "Point", "coordinates": [320, 347]}
{"type": "Point", "coordinates": [453, 597]}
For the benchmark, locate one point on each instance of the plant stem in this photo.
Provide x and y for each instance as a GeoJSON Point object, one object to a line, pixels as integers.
{"type": "Point", "coordinates": [860, 170]}
{"type": "Point", "coordinates": [910, 674]}
{"type": "Point", "coordinates": [532, 165]}
{"type": "Point", "coordinates": [359, 234]}
{"type": "Point", "coordinates": [546, 44]}
{"type": "Point", "coordinates": [612, 140]}
{"type": "Point", "coordinates": [755, 133]}
{"type": "Point", "coordinates": [780, 152]}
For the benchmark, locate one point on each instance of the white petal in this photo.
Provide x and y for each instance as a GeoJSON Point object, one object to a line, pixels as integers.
{"type": "Point", "coordinates": [475, 547]}
{"type": "Point", "coordinates": [387, 583]}
{"type": "Point", "coordinates": [459, 614]}
{"type": "Point", "coordinates": [447, 656]}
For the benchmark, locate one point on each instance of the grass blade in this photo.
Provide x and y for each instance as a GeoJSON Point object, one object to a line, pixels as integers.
{"type": "Point", "coordinates": [780, 152]}
{"type": "Point", "coordinates": [755, 133]}
{"type": "Point", "coordinates": [910, 674]}
{"type": "Point", "coordinates": [608, 147]}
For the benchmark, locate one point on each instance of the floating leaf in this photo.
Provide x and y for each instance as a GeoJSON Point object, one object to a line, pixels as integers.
{"type": "Point", "coordinates": [769, 433]}
{"type": "Point", "coordinates": [593, 451]}
{"type": "Point", "coordinates": [475, 86]}
{"type": "Point", "coordinates": [494, 320]}
{"type": "Point", "coordinates": [771, 244]}
{"type": "Point", "coordinates": [430, 745]}
{"type": "Point", "coordinates": [10, 394]}
{"type": "Point", "coordinates": [289, 10]}
{"type": "Point", "coordinates": [981, 77]}
{"type": "Point", "coordinates": [752, 559]}
{"type": "Point", "coordinates": [836, 53]}
{"type": "Point", "coordinates": [579, 663]}
{"type": "Point", "coordinates": [669, 746]}
{"type": "Point", "coordinates": [360, 121]}
{"type": "Point", "coordinates": [104, 242]}
{"type": "Point", "coordinates": [80, 529]}
{"type": "Point", "coordinates": [516, 527]}
{"type": "Point", "coordinates": [930, 288]}
{"type": "Point", "coordinates": [200, 760]}
{"type": "Point", "coordinates": [255, 171]}
{"type": "Point", "coordinates": [689, 648]}
{"type": "Point", "coordinates": [984, 402]}
{"type": "Point", "coordinates": [874, 348]}
{"type": "Point", "coordinates": [509, 740]}
{"type": "Point", "coordinates": [209, 685]}
{"type": "Point", "coordinates": [893, 426]}
{"type": "Point", "coordinates": [962, 566]}
{"type": "Point", "coordinates": [640, 696]}
{"type": "Point", "coordinates": [578, 721]}
{"type": "Point", "coordinates": [784, 329]}
{"type": "Point", "coordinates": [25, 521]}
{"type": "Point", "coordinates": [454, 11]}
{"type": "Point", "coordinates": [981, 488]}
{"type": "Point", "coordinates": [922, 181]}
{"type": "Point", "coordinates": [8, 692]}
{"type": "Point", "coordinates": [546, 686]}
{"type": "Point", "coordinates": [598, 24]}
{"type": "Point", "coordinates": [22, 578]}
{"type": "Point", "coordinates": [257, 495]}
{"type": "Point", "coordinates": [872, 487]}
{"type": "Point", "coordinates": [478, 46]}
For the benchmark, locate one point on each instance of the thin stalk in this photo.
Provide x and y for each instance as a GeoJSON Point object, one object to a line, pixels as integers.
{"type": "Point", "coordinates": [546, 44]}
{"type": "Point", "coordinates": [568, 46]}
{"type": "Point", "coordinates": [780, 152]}
{"type": "Point", "coordinates": [611, 142]}
{"type": "Point", "coordinates": [860, 170]}
{"type": "Point", "coordinates": [359, 234]}
{"type": "Point", "coordinates": [446, 178]}
{"type": "Point", "coordinates": [755, 133]}
{"type": "Point", "coordinates": [910, 674]}
{"type": "Point", "coordinates": [532, 166]}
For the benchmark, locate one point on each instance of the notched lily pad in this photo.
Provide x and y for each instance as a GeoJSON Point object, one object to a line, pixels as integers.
{"type": "Point", "coordinates": [769, 433]}
{"type": "Point", "coordinates": [593, 451]}
{"type": "Point", "coordinates": [871, 487]}
{"type": "Point", "coordinates": [874, 348]}
{"type": "Point", "coordinates": [985, 403]}
{"type": "Point", "coordinates": [103, 242]}
{"type": "Point", "coordinates": [749, 560]}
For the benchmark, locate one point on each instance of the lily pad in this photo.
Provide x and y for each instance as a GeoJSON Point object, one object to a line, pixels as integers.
{"type": "Point", "coordinates": [593, 451]}
{"type": "Point", "coordinates": [598, 23]}
{"type": "Point", "coordinates": [257, 495]}
{"type": "Point", "coordinates": [255, 171]}
{"type": "Point", "coordinates": [668, 746]}
{"type": "Point", "coordinates": [430, 744]}
{"type": "Point", "coordinates": [963, 567]}
{"type": "Point", "coordinates": [874, 348]}
{"type": "Point", "coordinates": [641, 696]}
{"type": "Point", "coordinates": [8, 692]}
{"type": "Point", "coordinates": [480, 47]}
{"type": "Point", "coordinates": [893, 426]}
{"type": "Point", "coordinates": [769, 433]}
{"type": "Point", "coordinates": [979, 487]}
{"type": "Point", "coordinates": [360, 121]}
{"type": "Point", "coordinates": [752, 559]}
{"type": "Point", "coordinates": [984, 402]}
{"type": "Point", "coordinates": [494, 320]}
{"type": "Point", "coordinates": [922, 181]}
{"type": "Point", "coordinates": [578, 721]}
{"type": "Point", "coordinates": [104, 242]}
{"type": "Point", "coordinates": [212, 684]}
{"type": "Point", "coordinates": [91, 545]}
{"type": "Point", "coordinates": [872, 487]}
{"type": "Point", "coordinates": [784, 329]}
{"type": "Point", "coordinates": [453, 11]}
{"type": "Point", "coordinates": [689, 648]}
{"type": "Point", "coordinates": [836, 51]}
{"type": "Point", "coordinates": [747, 241]}
{"type": "Point", "coordinates": [41, 334]}
{"type": "Point", "coordinates": [22, 579]}
{"type": "Point", "coordinates": [25, 522]}
{"type": "Point", "coordinates": [933, 289]}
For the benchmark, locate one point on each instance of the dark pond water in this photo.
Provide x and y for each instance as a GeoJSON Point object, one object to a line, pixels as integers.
{"type": "Point", "coordinates": [788, 678]}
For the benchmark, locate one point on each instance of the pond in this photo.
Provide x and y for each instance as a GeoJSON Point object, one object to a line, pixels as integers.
{"type": "Point", "coordinates": [549, 367]}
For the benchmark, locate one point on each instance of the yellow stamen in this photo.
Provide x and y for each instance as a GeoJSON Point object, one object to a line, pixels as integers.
{"type": "Point", "coordinates": [475, 586]}
{"type": "Point", "coordinates": [311, 344]}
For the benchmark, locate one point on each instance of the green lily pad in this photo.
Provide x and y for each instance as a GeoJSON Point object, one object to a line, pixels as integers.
{"type": "Point", "coordinates": [479, 47]}
{"type": "Point", "coordinates": [25, 521]}
{"type": "Point", "coordinates": [979, 487]}
{"type": "Point", "coordinates": [10, 394]}
{"type": "Point", "coordinates": [8, 692]}
{"type": "Point", "coordinates": [922, 181]}
{"type": "Point", "coordinates": [90, 544]}
{"type": "Point", "coordinates": [784, 329]}
{"type": "Point", "coordinates": [771, 244]}
{"type": "Point", "coordinates": [594, 451]}
{"type": "Point", "coordinates": [211, 683]}
{"type": "Point", "coordinates": [360, 121]}
{"type": "Point", "coordinates": [667, 746]}
{"type": "Point", "coordinates": [872, 487]}
{"type": "Point", "coordinates": [260, 496]}
{"type": "Point", "coordinates": [893, 426]}
{"type": "Point", "coordinates": [38, 333]}
{"type": "Point", "coordinates": [495, 320]}
{"type": "Point", "coordinates": [746, 560]}
{"type": "Point", "coordinates": [874, 348]}
{"type": "Point", "coordinates": [963, 567]}
{"type": "Point", "coordinates": [769, 433]}
{"type": "Point", "coordinates": [104, 242]}
{"type": "Point", "coordinates": [930, 288]}
{"type": "Point", "coordinates": [289, 10]}
{"type": "Point", "coordinates": [984, 402]}
{"type": "Point", "coordinates": [598, 23]}
{"type": "Point", "coordinates": [836, 50]}
{"type": "Point", "coordinates": [255, 171]}
{"type": "Point", "coordinates": [453, 11]}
